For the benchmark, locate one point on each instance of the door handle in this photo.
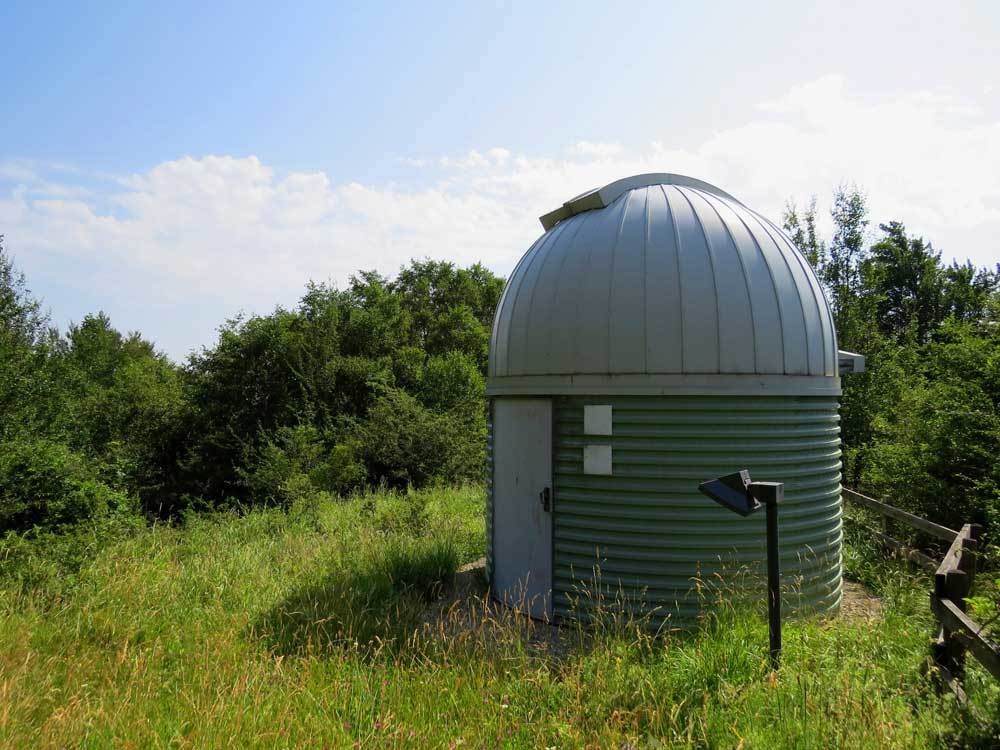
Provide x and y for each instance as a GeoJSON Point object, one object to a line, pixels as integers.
{"type": "Point", "coordinates": [546, 497]}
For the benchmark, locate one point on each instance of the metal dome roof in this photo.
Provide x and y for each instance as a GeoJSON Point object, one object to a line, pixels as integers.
{"type": "Point", "coordinates": [662, 284]}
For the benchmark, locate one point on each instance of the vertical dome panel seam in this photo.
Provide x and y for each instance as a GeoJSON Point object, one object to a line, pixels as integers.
{"type": "Point", "coordinates": [663, 343]}
{"type": "Point", "coordinates": [502, 314]}
{"type": "Point", "coordinates": [746, 277]}
{"type": "Point", "coordinates": [819, 313]}
{"type": "Point", "coordinates": [774, 284]}
{"type": "Point", "coordinates": [829, 337]}
{"type": "Point", "coordinates": [536, 277]}
{"type": "Point", "coordinates": [611, 272]}
{"type": "Point", "coordinates": [558, 243]}
{"type": "Point", "coordinates": [548, 238]}
{"type": "Point", "coordinates": [585, 273]}
{"type": "Point", "coordinates": [680, 276]}
{"type": "Point", "coordinates": [798, 295]}
{"type": "Point", "coordinates": [567, 251]}
{"type": "Point", "coordinates": [826, 322]}
{"type": "Point", "coordinates": [645, 306]}
{"type": "Point", "coordinates": [715, 283]}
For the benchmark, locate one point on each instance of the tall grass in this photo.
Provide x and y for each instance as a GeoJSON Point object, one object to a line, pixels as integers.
{"type": "Point", "coordinates": [326, 627]}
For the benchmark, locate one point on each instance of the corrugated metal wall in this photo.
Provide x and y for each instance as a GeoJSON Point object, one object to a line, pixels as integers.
{"type": "Point", "coordinates": [489, 494]}
{"type": "Point", "coordinates": [648, 529]}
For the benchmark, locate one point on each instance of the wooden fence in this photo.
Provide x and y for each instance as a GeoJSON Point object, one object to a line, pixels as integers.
{"type": "Point", "coordinates": [954, 577]}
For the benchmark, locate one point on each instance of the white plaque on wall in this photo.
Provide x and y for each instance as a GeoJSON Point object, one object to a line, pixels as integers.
{"type": "Point", "coordinates": [597, 459]}
{"type": "Point", "coordinates": [597, 419]}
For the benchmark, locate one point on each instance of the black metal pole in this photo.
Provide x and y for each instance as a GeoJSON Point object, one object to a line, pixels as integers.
{"type": "Point", "coordinates": [741, 495]}
{"type": "Point", "coordinates": [771, 494]}
{"type": "Point", "coordinates": [773, 584]}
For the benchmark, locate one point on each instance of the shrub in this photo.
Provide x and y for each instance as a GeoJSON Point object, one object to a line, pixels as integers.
{"type": "Point", "coordinates": [452, 381]}
{"type": "Point", "coordinates": [46, 561]}
{"type": "Point", "coordinates": [296, 462]}
{"type": "Point", "coordinates": [44, 484]}
{"type": "Point", "coordinates": [405, 513]}
{"type": "Point", "coordinates": [404, 444]}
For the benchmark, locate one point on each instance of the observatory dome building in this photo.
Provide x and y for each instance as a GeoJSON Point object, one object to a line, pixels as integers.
{"type": "Point", "coordinates": [658, 334]}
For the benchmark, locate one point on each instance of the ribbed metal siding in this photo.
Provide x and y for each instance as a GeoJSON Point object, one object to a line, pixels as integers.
{"type": "Point", "coordinates": [489, 493]}
{"type": "Point", "coordinates": [651, 532]}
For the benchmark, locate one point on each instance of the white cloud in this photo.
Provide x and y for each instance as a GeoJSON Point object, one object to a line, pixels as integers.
{"type": "Point", "coordinates": [599, 150]}
{"type": "Point", "coordinates": [229, 232]}
{"type": "Point", "coordinates": [412, 161]}
{"type": "Point", "coordinates": [499, 155]}
{"type": "Point", "coordinates": [17, 169]}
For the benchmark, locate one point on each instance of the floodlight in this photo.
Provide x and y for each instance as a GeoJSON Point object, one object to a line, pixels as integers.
{"type": "Point", "coordinates": [741, 495]}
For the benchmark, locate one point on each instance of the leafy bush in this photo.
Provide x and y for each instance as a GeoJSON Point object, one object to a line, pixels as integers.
{"type": "Point", "coordinates": [47, 560]}
{"type": "Point", "coordinates": [452, 381]}
{"type": "Point", "coordinates": [31, 395]}
{"type": "Point", "coordinates": [300, 401]}
{"type": "Point", "coordinates": [935, 450]}
{"type": "Point", "coordinates": [403, 444]}
{"type": "Point", "coordinates": [45, 484]}
{"type": "Point", "coordinates": [297, 462]}
{"type": "Point", "coordinates": [338, 364]}
{"type": "Point", "coordinates": [405, 513]}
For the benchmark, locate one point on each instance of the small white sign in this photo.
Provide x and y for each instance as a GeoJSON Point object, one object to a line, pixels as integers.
{"type": "Point", "coordinates": [597, 459]}
{"type": "Point", "coordinates": [597, 419]}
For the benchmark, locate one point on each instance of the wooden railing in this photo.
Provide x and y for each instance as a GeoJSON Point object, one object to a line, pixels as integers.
{"type": "Point", "coordinates": [954, 577]}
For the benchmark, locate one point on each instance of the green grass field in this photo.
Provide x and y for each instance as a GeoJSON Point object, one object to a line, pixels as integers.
{"type": "Point", "coordinates": [314, 629]}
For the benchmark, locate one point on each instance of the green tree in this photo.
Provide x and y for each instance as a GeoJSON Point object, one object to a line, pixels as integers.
{"type": "Point", "coordinates": [453, 381]}
{"type": "Point", "coordinates": [968, 291]}
{"type": "Point", "coordinates": [841, 271]}
{"type": "Point", "coordinates": [936, 448]}
{"type": "Point", "coordinates": [336, 364]}
{"type": "Point", "coordinates": [30, 399]}
{"type": "Point", "coordinates": [405, 444]}
{"type": "Point", "coordinates": [803, 232]}
{"type": "Point", "coordinates": [445, 303]}
{"type": "Point", "coordinates": [905, 276]}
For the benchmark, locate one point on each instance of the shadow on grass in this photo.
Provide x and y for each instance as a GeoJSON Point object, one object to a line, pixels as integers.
{"type": "Point", "coordinates": [369, 604]}
{"type": "Point", "coordinates": [400, 596]}
{"type": "Point", "coordinates": [406, 598]}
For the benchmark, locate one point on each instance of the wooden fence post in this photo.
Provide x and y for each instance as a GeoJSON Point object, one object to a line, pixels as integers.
{"type": "Point", "coordinates": [954, 577]}
{"type": "Point", "coordinates": [953, 582]}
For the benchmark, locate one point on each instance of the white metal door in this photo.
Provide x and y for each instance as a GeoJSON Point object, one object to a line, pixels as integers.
{"type": "Point", "coordinates": [522, 504]}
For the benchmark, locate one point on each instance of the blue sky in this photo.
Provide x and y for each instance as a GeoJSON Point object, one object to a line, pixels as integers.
{"type": "Point", "coordinates": [173, 164]}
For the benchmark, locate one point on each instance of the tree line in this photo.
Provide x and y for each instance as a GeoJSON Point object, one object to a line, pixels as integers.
{"type": "Point", "coordinates": [921, 427]}
{"type": "Point", "coordinates": [382, 383]}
